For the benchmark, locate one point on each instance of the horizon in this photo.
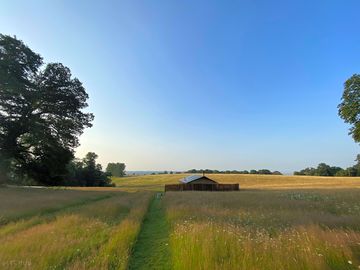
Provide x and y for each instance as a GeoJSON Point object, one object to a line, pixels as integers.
{"type": "Point", "coordinates": [238, 86]}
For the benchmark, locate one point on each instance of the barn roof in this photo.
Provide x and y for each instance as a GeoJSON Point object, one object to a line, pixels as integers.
{"type": "Point", "coordinates": [191, 178]}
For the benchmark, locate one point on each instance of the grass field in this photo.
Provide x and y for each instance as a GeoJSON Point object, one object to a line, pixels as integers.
{"type": "Point", "coordinates": [246, 181]}
{"type": "Point", "coordinates": [297, 229]}
{"type": "Point", "coordinates": [274, 222]}
{"type": "Point", "coordinates": [95, 230]}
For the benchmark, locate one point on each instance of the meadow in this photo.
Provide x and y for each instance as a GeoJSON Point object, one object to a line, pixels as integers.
{"type": "Point", "coordinates": [274, 222]}
{"type": "Point", "coordinates": [291, 229]}
{"type": "Point", "coordinates": [86, 229]}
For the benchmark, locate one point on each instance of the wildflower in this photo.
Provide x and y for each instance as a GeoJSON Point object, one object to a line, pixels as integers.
{"type": "Point", "coordinates": [349, 262]}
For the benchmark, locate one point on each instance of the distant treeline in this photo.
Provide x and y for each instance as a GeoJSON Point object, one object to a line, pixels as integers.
{"type": "Point", "coordinates": [165, 172]}
{"type": "Point", "coordinates": [325, 170]}
{"type": "Point", "coordinates": [208, 171]}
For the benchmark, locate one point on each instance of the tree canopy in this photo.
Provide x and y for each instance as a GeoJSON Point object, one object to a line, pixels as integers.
{"type": "Point", "coordinates": [208, 171]}
{"type": "Point", "coordinates": [41, 115]}
{"type": "Point", "coordinates": [87, 172]}
{"type": "Point", "coordinates": [349, 108]}
{"type": "Point", "coordinates": [116, 169]}
{"type": "Point", "coordinates": [325, 170]}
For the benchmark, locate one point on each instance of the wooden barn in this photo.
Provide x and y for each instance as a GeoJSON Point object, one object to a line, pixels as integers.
{"type": "Point", "coordinates": [200, 183]}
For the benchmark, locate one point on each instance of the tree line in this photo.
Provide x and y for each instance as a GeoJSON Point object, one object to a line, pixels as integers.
{"type": "Point", "coordinates": [208, 171]}
{"type": "Point", "coordinates": [326, 170]}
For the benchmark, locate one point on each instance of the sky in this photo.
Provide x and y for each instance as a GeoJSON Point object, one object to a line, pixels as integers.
{"type": "Point", "coordinates": [176, 85]}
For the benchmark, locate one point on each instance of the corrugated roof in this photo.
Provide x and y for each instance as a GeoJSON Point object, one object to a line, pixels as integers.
{"type": "Point", "coordinates": [190, 178]}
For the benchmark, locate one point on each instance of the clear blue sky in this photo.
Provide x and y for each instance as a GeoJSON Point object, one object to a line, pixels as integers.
{"type": "Point", "coordinates": [204, 84]}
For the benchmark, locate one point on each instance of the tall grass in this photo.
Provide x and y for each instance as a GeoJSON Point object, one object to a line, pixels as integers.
{"type": "Point", "coordinates": [98, 235]}
{"type": "Point", "coordinates": [274, 222]}
{"type": "Point", "coordinates": [17, 203]}
{"type": "Point", "coordinates": [295, 229]}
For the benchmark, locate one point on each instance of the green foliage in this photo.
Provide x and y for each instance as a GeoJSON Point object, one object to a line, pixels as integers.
{"type": "Point", "coordinates": [208, 171]}
{"type": "Point", "coordinates": [264, 171]}
{"type": "Point", "coordinates": [87, 172]}
{"type": "Point", "coordinates": [40, 114]}
{"type": "Point", "coordinates": [306, 171]}
{"type": "Point", "coordinates": [349, 108]}
{"type": "Point", "coordinates": [326, 170]}
{"type": "Point", "coordinates": [116, 169]}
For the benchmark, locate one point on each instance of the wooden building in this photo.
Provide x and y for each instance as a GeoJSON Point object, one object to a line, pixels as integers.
{"type": "Point", "coordinates": [200, 183]}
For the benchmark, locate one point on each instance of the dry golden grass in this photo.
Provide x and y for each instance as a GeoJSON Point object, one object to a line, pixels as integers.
{"type": "Point", "coordinates": [274, 222]}
{"type": "Point", "coordinates": [265, 229]}
{"type": "Point", "coordinates": [146, 182]}
{"type": "Point", "coordinates": [25, 202]}
{"type": "Point", "coordinates": [93, 235]}
{"type": "Point", "coordinates": [246, 181]}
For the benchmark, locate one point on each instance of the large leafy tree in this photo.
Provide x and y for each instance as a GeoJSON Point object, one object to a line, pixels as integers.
{"type": "Point", "coordinates": [116, 169]}
{"type": "Point", "coordinates": [349, 108]}
{"type": "Point", "coordinates": [41, 114]}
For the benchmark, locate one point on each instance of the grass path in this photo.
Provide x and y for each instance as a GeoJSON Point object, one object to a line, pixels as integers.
{"type": "Point", "coordinates": [152, 250]}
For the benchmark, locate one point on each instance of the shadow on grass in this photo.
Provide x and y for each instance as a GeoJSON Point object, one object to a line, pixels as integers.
{"type": "Point", "coordinates": [151, 250]}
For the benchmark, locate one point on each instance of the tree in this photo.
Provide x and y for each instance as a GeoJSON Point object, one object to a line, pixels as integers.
{"type": "Point", "coordinates": [87, 172]}
{"type": "Point", "coordinates": [349, 108]}
{"type": "Point", "coordinates": [264, 171]}
{"type": "Point", "coordinates": [116, 169]}
{"type": "Point", "coordinates": [323, 170]}
{"type": "Point", "coordinates": [334, 170]}
{"type": "Point", "coordinates": [74, 176]}
{"type": "Point", "coordinates": [92, 172]}
{"type": "Point", "coordinates": [41, 114]}
{"type": "Point", "coordinates": [306, 171]}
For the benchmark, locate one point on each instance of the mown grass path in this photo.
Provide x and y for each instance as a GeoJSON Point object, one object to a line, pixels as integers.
{"type": "Point", "coordinates": [152, 250]}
